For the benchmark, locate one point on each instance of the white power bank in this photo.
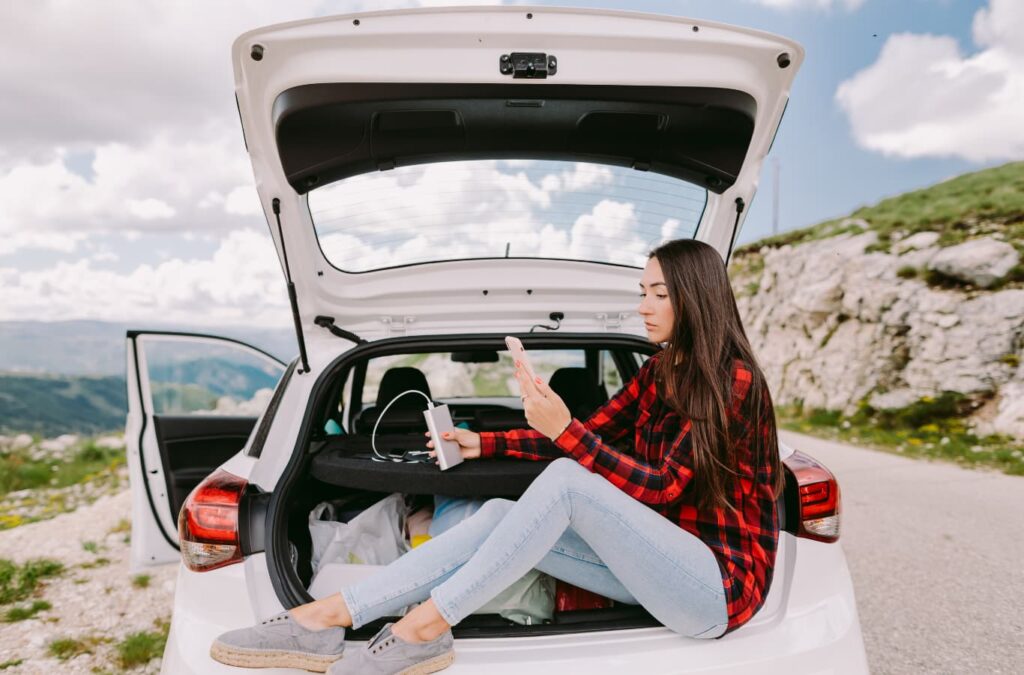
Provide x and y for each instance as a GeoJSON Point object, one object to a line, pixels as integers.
{"type": "Point", "coordinates": [439, 421]}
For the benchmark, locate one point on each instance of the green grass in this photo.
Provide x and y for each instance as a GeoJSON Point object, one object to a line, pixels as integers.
{"type": "Point", "coordinates": [98, 562]}
{"type": "Point", "coordinates": [140, 648]}
{"type": "Point", "coordinates": [66, 648]}
{"type": "Point", "coordinates": [18, 582]}
{"type": "Point", "coordinates": [123, 525]}
{"type": "Point", "coordinates": [90, 547]}
{"type": "Point", "coordinates": [11, 663]}
{"type": "Point", "coordinates": [141, 581]}
{"type": "Point", "coordinates": [933, 427]}
{"type": "Point", "coordinates": [987, 201]}
{"type": "Point", "coordinates": [18, 471]}
{"type": "Point", "coordinates": [21, 613]}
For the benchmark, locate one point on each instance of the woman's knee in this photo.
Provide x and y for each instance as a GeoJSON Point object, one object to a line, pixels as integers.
{"type": "Point", "coordinates": [494, 510]}
{"type": "Point", "coordinates": [563, 472]}
{"type": "Point", "coordinates": [563, 466]}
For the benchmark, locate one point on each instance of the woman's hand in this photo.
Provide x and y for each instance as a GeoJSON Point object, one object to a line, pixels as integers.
{"type": "Point", "coordinates": [545, 410]}
{"type": "Point", "coordinates": [469, 442]}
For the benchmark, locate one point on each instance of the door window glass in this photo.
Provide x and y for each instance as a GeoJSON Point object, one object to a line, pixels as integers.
{"type": "Point", "coordinates": [610, 373]}
{"type": "Point", "coordinates": [197, 376]}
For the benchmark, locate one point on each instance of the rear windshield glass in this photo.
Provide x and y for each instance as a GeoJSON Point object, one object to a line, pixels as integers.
{"type": "Point", "coordinates": [501, 208]}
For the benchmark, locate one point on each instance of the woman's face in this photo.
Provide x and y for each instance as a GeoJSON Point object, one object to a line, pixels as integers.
{"type": "Point", "coordinates": [655, 305]}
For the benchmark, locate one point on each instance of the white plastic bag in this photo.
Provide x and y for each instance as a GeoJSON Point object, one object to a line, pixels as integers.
{"type": "Point", "coordinates": [374, 537]}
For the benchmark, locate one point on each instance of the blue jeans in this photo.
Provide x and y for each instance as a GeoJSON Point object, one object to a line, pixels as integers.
{"type": "Point", "coordinates": [571, 524]}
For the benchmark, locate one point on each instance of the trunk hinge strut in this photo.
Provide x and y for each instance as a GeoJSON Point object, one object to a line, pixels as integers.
{"type": "Point", "coordinates": [328, 323]}
{"type": "Point", "coordinates": [276, 205]}
{"type": "Point", "coordinates": [740, 204]}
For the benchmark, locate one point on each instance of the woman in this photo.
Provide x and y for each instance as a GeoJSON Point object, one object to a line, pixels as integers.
{"type": "Point", "coordinates": [679, 516]}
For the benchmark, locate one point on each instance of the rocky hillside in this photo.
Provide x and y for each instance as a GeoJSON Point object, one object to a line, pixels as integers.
{"type": "Point", "coordinates": [917, 298]}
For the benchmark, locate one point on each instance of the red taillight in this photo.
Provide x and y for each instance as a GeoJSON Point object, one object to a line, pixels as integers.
{"type": "Point", "coordinates": [208, 523]}
{"type": "Point", "coordinates": [818, 497]}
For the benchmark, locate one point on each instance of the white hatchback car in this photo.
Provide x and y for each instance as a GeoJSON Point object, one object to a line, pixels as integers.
{"type": "Point", "coordinates": [435, 180]}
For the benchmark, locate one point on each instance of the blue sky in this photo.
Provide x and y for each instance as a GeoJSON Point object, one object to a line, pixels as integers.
{"type": "Point", "coordinates": [127, 195]}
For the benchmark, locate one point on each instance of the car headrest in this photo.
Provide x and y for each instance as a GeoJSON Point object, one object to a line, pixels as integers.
{"type": "Point", "coordinates": [397, 380]}
{"type": "Point", "coordinates": [577, 388]}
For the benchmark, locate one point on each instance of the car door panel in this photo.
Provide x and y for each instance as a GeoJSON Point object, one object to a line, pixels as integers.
{"type": "Point", "coordinates": [191, 447]}
{"type": "Point", "coordinates": [193, 401]}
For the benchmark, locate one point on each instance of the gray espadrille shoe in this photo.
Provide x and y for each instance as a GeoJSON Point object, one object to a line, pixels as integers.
{"type": "Point", "coordinates": [280, 642]}
{"type": "Point", "coordinates": [387, 654]}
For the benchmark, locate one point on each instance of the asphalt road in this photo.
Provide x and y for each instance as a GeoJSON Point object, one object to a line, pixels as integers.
{"type": "Point", "coordinates": [937, 558]}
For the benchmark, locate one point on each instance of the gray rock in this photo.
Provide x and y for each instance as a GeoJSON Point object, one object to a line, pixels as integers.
{"type": "Point", "coordinates": [980, 261]}
{"type": "Point", "coordinates": [916, 241]}
{"type": "Point", "coordinates": [1009, 418]}
{"type": "Point", "coordinates": [832, 325]}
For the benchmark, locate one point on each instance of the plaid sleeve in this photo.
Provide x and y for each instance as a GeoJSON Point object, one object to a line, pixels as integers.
{"type": "Point", "coordinates": [659, 483]}
{"type": "Point", "coordinates": [614, 420]}
{"type": "Point", "coordinates": [518, 444]}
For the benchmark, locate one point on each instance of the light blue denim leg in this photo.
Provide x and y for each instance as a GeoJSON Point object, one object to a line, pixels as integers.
{"type": "Point", "coordinates": [409, 579]}
{"type": "Point", "coordinates": [574, 562]}
{"type": "Point", "coordinates": [570, 559]}
{"type": "Point", "coordinates": [672, 573]}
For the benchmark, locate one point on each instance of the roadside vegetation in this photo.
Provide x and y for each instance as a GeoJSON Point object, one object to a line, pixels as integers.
{"type": "Point", "coordinates": [140, 648]}
{"type": "Point", "coordinates": [933, 428]}
{"type": "Point", "coordinates": [21, 587]}
{"type": "Point", "coordinates": [40, 479]}
{"type": "Point", "coordinates": [951, 208]}
{"type": "Point", "coordinates": [134, 650]}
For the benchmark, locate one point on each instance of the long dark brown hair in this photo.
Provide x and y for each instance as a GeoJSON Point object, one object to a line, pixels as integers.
{"type": "Point", "coordinates": [694, 374]}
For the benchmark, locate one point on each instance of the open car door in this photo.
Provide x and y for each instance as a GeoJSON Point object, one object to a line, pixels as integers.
{"type": "Point", "coordinates": [192, 402]}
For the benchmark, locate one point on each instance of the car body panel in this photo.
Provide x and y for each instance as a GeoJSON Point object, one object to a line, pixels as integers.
{"type": "Point", "coordinates": [595, 47]}
{"type": "Point", "coordinates": [816, 630]}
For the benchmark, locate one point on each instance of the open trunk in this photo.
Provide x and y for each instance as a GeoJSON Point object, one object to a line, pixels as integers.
{"type": "Point", "coordinates": [340, 466]}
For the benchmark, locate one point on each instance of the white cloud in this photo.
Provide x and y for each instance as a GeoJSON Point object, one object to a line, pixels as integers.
{"type": "Point", "coordinates": [609, 232]}
{"type": "Point", "coordinates": [924, 98]}
{"type": "Point", "coordinates": [242, 281]}
{"type": "Point", "coordinates": [162, 184]}
{"type": "Point", "coordinates": [670, 228]}
{"type": "Point", "coordinates": [79, 74]}
{"type": "Point", "coordinates": [150, 209]}
{"type": "Point", "coordinates": [64, 242]}
{"type": "Point", "coordinates": [243, 201]}
{"type": "Point", "coordinates": [581, 177]}
{"type": "Point", "coordinates": [816, 4]}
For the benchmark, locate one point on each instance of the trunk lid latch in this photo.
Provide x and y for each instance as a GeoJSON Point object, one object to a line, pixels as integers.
{"type": "Point", "coordinates": [534, 65]}
{"type": "Point", "coordinates": [394, 327]}
{"type": "Point", "coordinates": [612, 322]}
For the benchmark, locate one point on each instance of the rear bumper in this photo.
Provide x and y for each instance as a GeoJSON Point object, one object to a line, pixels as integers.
{"type": "Point", "coordinates": [815, 630]}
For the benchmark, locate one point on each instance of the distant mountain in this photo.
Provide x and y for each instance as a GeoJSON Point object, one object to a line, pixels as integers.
{"type": "Point", "coordinates": [68, 376]}
{"type": "Point", "coordinates": [51, 405]}
{"type": "Point", "coordinates": [97, 347]}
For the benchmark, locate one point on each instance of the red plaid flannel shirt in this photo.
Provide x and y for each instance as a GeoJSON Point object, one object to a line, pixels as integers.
{"type": "Point", "coordinates": [654, 466]}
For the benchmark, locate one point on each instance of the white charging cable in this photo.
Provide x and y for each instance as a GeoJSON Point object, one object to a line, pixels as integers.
{"type": "Point", "coordinates": [377, 457]}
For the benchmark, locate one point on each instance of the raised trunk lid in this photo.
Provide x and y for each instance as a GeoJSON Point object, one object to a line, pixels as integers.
{"type": "Point", "coordinates": [331, 98]}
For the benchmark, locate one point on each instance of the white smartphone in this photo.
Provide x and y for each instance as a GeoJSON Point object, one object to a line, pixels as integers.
{"type": "Point", "coordinates": [439, 422]}
{"type": "Point", "coordinates": [515, 346]}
